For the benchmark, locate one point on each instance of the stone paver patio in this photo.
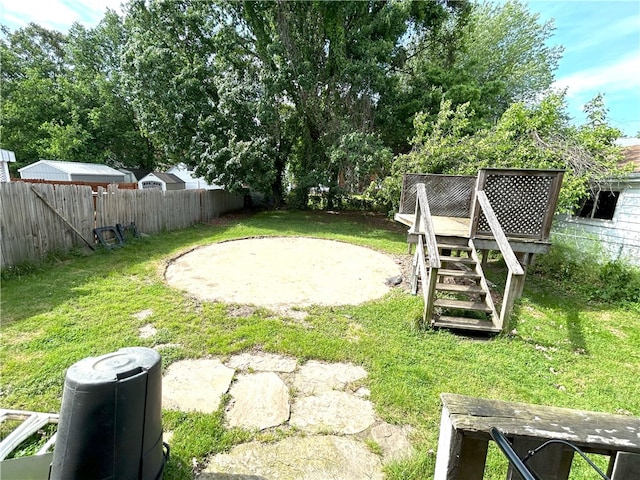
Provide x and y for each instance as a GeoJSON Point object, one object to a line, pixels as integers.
{"type": "Point", "coordinates": [323, 408]}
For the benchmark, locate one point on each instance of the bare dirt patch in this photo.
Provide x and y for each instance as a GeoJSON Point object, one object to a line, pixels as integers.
{"type": "Point", "coordinates": [284, 271]}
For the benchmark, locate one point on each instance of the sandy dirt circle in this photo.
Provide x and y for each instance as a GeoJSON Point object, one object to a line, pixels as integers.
{"type": "Point", "coordinates": [283, 271]}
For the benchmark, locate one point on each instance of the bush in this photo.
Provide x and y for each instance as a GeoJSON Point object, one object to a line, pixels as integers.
{"type": "Point", "coordinates": [589, 273]}
{"type": "Point", "coordinates": [619, 282]}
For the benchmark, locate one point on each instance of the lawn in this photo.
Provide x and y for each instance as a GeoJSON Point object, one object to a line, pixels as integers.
{"type": "Point", "coordinates": [561, 350]}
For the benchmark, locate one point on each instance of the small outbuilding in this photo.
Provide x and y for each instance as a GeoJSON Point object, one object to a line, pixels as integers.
{"type": "Point", "coordinates": [191, 182]}
{"type": "Point", "coordinates": [161, 181]}
{"type": "Point", "coordinates": [71, 172]}
{"type": "Point", "coordinates": [6, 156]}
{"type": "Point", "coordinates": [611, 217]}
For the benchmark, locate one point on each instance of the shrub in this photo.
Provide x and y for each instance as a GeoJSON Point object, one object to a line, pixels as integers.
{"type": "Point", "coordinates": [588, 272]}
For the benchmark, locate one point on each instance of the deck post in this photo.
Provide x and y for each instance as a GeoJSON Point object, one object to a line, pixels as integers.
{"type": "Point", "coordinates": [554, 464]}
{"type": "Point", "coordinates": [511, 289]}
{"type": "Point", "coordinates": [459, 457]}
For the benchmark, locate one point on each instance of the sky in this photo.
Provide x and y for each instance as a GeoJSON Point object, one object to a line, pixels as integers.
{"type": "Point", "coordinates": [601, 40]}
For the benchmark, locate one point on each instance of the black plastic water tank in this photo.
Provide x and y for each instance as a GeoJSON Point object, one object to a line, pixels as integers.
{"type": "Point", "coordinates": [110, 424]}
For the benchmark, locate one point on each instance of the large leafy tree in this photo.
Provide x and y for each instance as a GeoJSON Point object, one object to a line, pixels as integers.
{"type": "Point", "coordinates": [489, 56]}
{"type": "Point", "coordinates": [32, 68]}
{"type": "Point", "coordinates": [200, 94]}
{"type": "Point", "coordinates": [507, 46]}
{"type": "Point", "coordinates": [253, 92]}
{"type": "Point", "coordinates": [62, 97]}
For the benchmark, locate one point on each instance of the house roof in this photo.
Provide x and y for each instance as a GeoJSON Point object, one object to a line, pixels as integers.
{"type": "Point", "coordinates": [139, 173]}
{"type": "Point", "coordinates": [76, 167]}
{"type": "Point", "coordinates": [7, 156]}
{"type": "Point", "coordinates": [167, 178]}
{"type": "Point", "coordinates": [632, 156]}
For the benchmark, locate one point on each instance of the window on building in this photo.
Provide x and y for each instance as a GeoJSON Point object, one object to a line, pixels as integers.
{"type": "Point", "coordinates": [601, 205]}
{"type": "Point", "coordinates": [151, 184]}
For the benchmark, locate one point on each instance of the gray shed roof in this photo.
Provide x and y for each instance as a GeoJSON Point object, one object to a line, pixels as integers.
{"type": "Point", "coordinates": [165, 177]}
{"type": "Point", "coordinates": [75, 167]}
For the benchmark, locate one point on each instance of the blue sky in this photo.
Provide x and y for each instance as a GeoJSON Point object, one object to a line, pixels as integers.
{"type": "Point", "coordinates": [601, 40]}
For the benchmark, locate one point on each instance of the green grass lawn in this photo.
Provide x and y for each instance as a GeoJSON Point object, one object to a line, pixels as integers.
{"type": "Point", "coordinates": [561, 351]}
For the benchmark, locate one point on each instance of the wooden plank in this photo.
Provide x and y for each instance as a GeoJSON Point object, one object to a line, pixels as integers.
{"type": "Point", "coordinates": [503, 243]}
{"type": "Point", "coordinates": [445, 272]}
{"type": "Point", "coordinates": [424, 224]}
{"type": "Point", "coordinates": [448, 258]}
{"type": "Point", "coordinates": [42, 197]}
{"type": "Point", "coordinates": [552, 463]}
{"type": "Point", "coordinates": [466, 289]}
{"type": "Point", "coordinates": [597, 432]}
{"type": "Point", "coordinates": [462, 305]}
{"type": "Point", "coordinates": [444, 226]}
{"type": "Point", "coordinates": [458, 457]}
{"type": "Point", "coordinates": [626, 466]}
{"type": "Point", "coordinates": [465, 323]}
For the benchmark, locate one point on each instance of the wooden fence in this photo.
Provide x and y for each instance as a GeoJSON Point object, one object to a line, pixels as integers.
{"type": "Point", "coordinates": [36, 219]}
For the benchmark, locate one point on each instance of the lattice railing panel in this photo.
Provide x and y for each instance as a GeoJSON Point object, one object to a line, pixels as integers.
{"type": "Point", "coordinates": [448, 195]}
{"type": "Point", "coordinates": [520, 202]}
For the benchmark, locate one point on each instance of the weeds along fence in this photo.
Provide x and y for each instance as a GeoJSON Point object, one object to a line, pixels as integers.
{"type": "Point", "coordinates": [37, 219]}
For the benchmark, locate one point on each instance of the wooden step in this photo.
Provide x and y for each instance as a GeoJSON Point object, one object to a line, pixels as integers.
{"type": "Point", "coordinates": [465, 260]}
{"type": "Point", "coordinates": [453, 246]}
{"type": "Point", "coordinates": [464, 323]}
{"type": "Point", "coordinates": [458, 273]}
{"type": "Point", "coordinates": [462, 305]}
{"type": "Point", "coordinates": [454, 287]}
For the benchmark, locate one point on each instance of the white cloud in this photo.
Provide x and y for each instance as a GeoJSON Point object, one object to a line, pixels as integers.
{"type": "Point", "coordinates": [622, 75]}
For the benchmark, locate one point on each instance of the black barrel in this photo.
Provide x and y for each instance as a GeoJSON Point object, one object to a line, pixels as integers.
{"type": "Point", "coordinates": [110, 424]}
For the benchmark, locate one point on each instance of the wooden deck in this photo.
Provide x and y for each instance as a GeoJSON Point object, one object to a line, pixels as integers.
{"type": "Point", "coordinates": [460, 227]}
{"type": "Point", "coordinates": [444, 226]}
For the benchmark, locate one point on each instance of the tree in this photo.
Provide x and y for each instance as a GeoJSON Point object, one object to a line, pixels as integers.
{"type": "Point", "coordinates": [62, 97]}
{"type": "Point", "coordinates": [488, 56]}
{"type": "Point", "coordinates": [251, 91]}
{"type": "Point", "coordinates": [201, 95]}
{"type": "Point", "coordinates": [525, 136]}
{"type": "Point", "coordinates": [508, 45]}
{"type": "Point", "coordinates": [32, 64]}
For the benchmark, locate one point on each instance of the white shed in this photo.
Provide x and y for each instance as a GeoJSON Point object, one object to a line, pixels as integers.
{"type": "Point", "coordinates": [191, 182]}
{"type": "Point", "coordinates": [611, 217]}
{"type": "Point", "coordinates": [71, 171]}
{"type": "Point", "coordinates": [161, 181]}
{"type": "Point", "coordinates": [6, 156]}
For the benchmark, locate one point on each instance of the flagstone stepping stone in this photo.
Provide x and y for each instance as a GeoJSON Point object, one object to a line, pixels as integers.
{"type": "Point", "coordinates": [332, 412]}
{"type": "Point", "coordinates": [262, 362]}
{"type": "Point", "coordinates": [296, 458]}
{"type": "Point", "coordinates": [260, 400]}
{"type": "Point", "coordinates": [393, 440]}
{"type": "Point", "coordinates": [195, 385]}
{"type": "Point", "coordinates": [315, 377]}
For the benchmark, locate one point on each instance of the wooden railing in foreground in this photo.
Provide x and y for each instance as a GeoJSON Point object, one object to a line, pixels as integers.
{"type": "Point", "coordinates": [466, 424]}
{"type": "Point", "coordinates": [423, 228]}
{"type": "Point", "coordinates": [515, 277]}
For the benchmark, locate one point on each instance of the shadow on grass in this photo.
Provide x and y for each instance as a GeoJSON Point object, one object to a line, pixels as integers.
{"type": "Point", "coordinates": [576, 331]}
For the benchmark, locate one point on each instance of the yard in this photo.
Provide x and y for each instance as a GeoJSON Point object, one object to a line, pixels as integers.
{"type": "Point", "coordinates": [561, 350]}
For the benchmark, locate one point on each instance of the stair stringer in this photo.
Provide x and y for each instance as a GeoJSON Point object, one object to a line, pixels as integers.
{"type": "Point", "coordinates": [495, 317]}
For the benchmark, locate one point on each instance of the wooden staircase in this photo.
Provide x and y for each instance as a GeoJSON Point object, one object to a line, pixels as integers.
{"type": "Point", "coordinates": [461, 298]}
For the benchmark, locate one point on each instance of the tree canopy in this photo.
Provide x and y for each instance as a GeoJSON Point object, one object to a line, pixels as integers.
{"type": "Point", "coordinates": [278, 96]}
{"type": "Point", "coordinates": [62, 97]}
{"type": "Point", "coordinates": [537, 136]}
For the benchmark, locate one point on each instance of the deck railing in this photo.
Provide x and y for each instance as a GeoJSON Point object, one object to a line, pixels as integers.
{"type": "Point", "coordinates": [423, 228]}
{"type": "Point", "coordinates": [515, 277]}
